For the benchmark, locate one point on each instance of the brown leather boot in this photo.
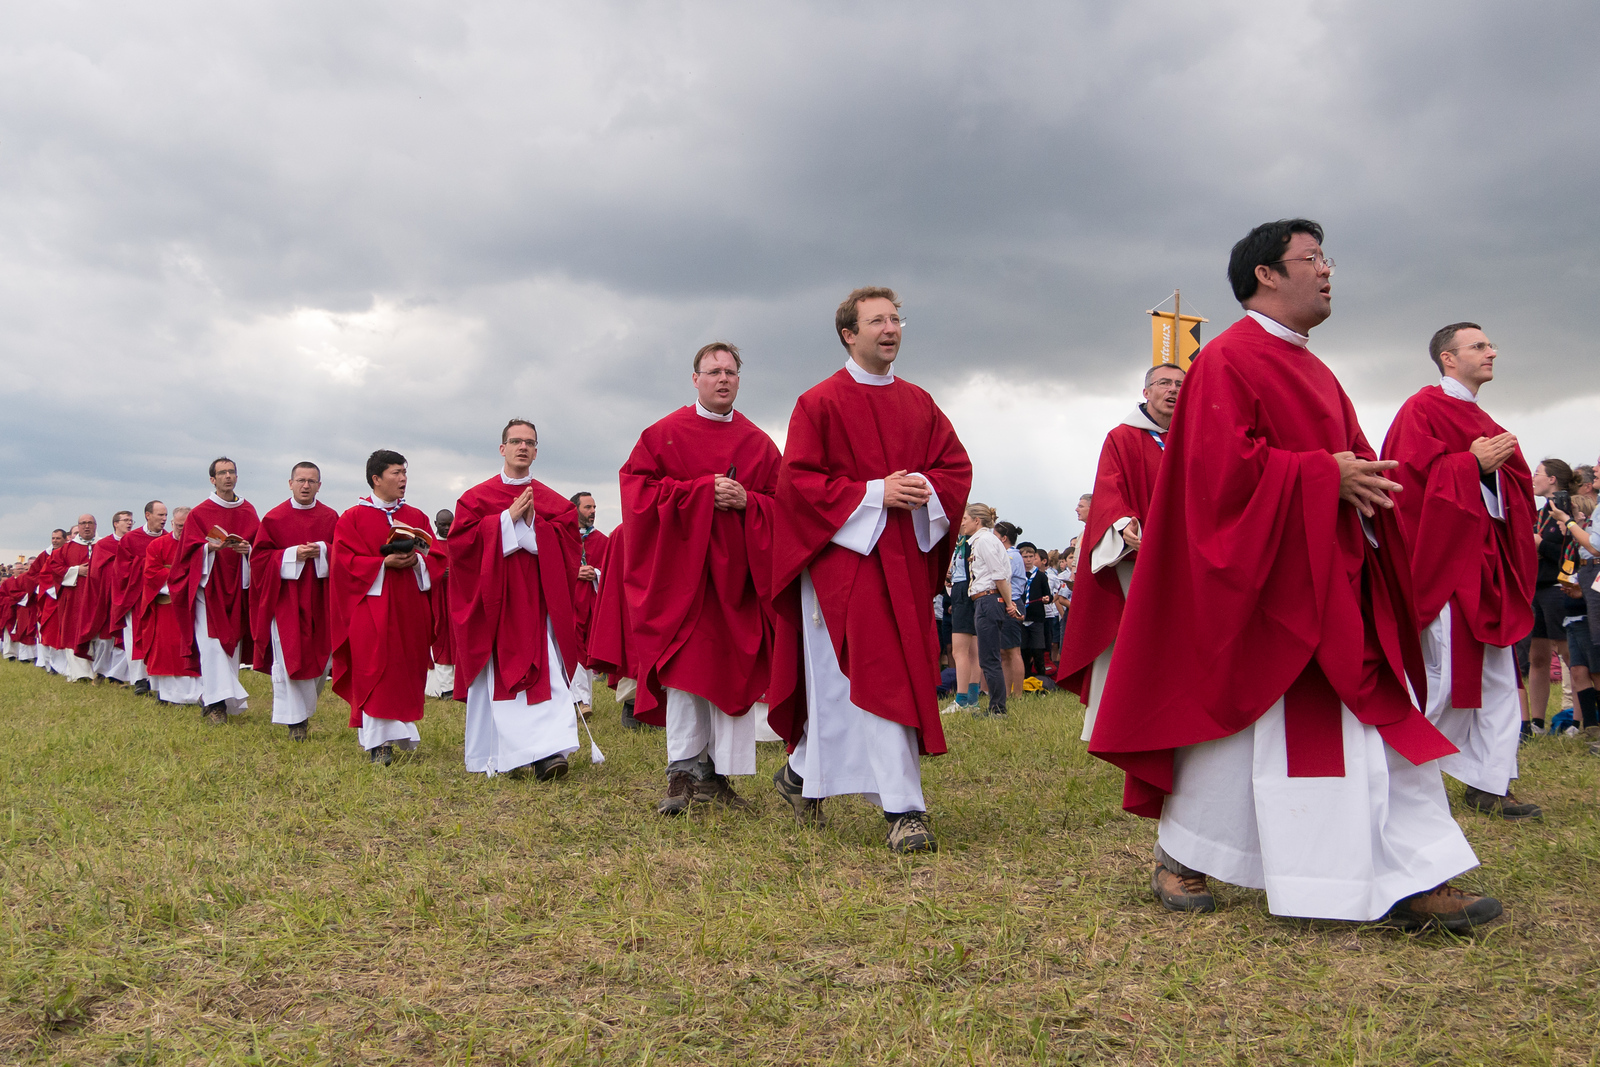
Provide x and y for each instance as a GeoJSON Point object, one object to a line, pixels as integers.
{"type": "Point", "coordinates": [680, 794]}
{"type": "Point", "coordinates": [1445, 905]}
{"type": "Point", "coordinates": [1182, 892]}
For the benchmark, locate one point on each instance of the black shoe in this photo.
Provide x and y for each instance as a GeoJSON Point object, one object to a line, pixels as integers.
{"type": "Point", "coordinates": [215, 714]}
{"type": "Point", "coordinates": [141, 688]}
{"type": "Point", "coordinates": [298, 731]}
{"type": "Point", "coordinates": [627, 716]}
{"type": "Point", "coordinates": [383, 755]}
{"type": "Point", "coordinates": [791, 787]}
{"type": "Point", "coordinates": [549, 768]}
{"type": "Point", "coordinates": [1507, 807]}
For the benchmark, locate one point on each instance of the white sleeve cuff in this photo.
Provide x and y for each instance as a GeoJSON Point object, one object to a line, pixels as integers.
{"type": "Point", "coordinates": [1112, 549]}
{"type": "Point", "coordinates": [377, 583]}
{"type": "Point", "coordinates": [1494, 501]}
{"type": "Point", "coordinates": [930, 522]}
{"type": "Point", "coordinates": [322, 559]}
{"type": "Point", "coordinates": [1371, 531]}
{"type": "Point", "coordinates": [244, 574]}
{"type": "Point", "coordinates": [70, 579]}
{"type": "Point", "coordinates": [205, 565]}
{"type": "Point", "coordinates": [291, 567]}
{"type": "Point", "coordinates": [424, 579]}
{"type": "Point", "coordinates": [865, 525]}
{"type": "Point", "coordinates": [516, 535]}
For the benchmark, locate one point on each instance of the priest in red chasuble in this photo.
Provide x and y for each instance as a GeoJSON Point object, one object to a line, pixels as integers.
{"type": "Point", "coordinates": [1465, 513]}
{"type": "Point", "coordinates": [74, 599]}
{"type": "Point", "coordinates": [164, 632]}
{"type": "Point", "coordinates": [514, 557]}
{"type": "Point", "coordinates": [210, 583]}
{"type": "Point", "coordinates": [592, 545]}
{"type": "Point", "coordinates": [697, 504]}
{"type": "Point", "coordinates": [25, 630]}
{"type": "Point", "coordinates": [872, 472]}
{"type": "Point", "coordinates": [1278, 742]}
{"type": "Point", "coordinates": [1118, 507]}
{"type": "Point", "coordinates": [380, 582]}
{"type": "Point", "coordinates": [442, 674]}
{"type": "Point", "coordinates": [289, 620]}
{"type": "Point", "coordinates": [101, 627]}
{"type": "Point", "coordinates": [128, 596]}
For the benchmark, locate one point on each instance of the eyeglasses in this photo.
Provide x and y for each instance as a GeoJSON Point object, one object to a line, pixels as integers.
{"type": "Point", "coordinates": [881, 321]}
{"type": "Point", "coordinates": [1477, 348]}
{"type": "Point", "coordinates": [719, 373]}
{"type": "Point", "coordinates": [306, 481]}
{"type": "Point", "coordinates": [522, 442]}
{"type": "Point", "coordinates": [1317, 260]}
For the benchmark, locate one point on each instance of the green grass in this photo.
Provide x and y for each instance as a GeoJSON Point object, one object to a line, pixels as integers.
{"type": "Point", "coordinates": [176, 893]}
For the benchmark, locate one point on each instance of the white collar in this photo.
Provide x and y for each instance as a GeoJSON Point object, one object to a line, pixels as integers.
{"type": "Point", "coordinates": [117, 536]}
{"type": "Point", "coordinates": [866, 377]}
{"type": "Point", "coordinates": [1140, 421]}
{"type": "Point", "coordinates": [158, 533]}
{"type": "Point", "coordinates": [1454, 388]}
{"type": "Point", "coordinates": [515, 481]}
{"type": "Point", "coordinates": [82, 542]}
{"type": "Point", "coordinates": [177, 534]}
{"type": "Point", "coordinates": [302, 507]}
{"type": "Point", "coordinates": [1279, 330]}
{"type": "Point", "coordinates": [706, 413]}
{"type": "Point", "coordinates": [388, 509]}
{"type": "Point", "coordinates": [225, 503]}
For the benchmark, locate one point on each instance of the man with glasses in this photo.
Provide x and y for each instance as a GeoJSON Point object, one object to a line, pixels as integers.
{"type": "Point", "coordinates": [697, 508]}
{"type": "Point", "coordinates": [1118, 507]}
{"type": "Point", "coordinates": [289, 619]}
{"type": "Point", "coordinates": [514, 557]}
{"type": "Point", "coordinates": [1279, 743]}
{"type": "Point", "coordinates": [165, 633]}
{"type": "Point", "coordinates": [130, 590]}
{"type": "Point", "coordinates": [74, 597]}
{"type": "Point", "coordinates": [872, 472]}
{"type": "Point", "coordinates": [99, 627]}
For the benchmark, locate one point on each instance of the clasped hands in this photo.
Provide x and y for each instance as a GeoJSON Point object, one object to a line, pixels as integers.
{"type": "Point", "coordinates": [309, 550]}
{"type": "Point", "coordinates": [1492, 452]}
{"type": "Point", "coordinates": [730, 495]}
{"type": "Point", "coordinates": [908, 491]}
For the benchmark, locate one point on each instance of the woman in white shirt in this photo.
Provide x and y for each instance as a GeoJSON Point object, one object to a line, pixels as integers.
{"type": "Point", "coordinates": [989, 586]}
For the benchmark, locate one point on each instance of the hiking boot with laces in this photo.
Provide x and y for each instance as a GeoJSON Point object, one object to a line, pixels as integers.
{"type": "Point", "coordinates": [382, 755]}
{"type": "Point", "coordinates": [1454, 909]}
{"type": "Point", "coordinates": [215, 714]}
{"type": "Point", "coordinates": [298, 731]}
{"type": "Point", "coordinates": [790, 785]}
{"type": "Point", "coordinates": [909, 833]}
{"type": "Point", "coordinates": [716, 788]}
{"type": "Point", "coordinates": [680, 794]}
{"type": "Point", "coordinates": [1181, 892]}
{"type": "Point", "coordinates": [1507, 807]}
{"type": "Point", "coordinates": [550, 768]}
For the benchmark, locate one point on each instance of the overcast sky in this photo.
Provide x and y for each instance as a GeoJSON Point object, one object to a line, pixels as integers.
{"type": "Point", "coordinates": [308, 230]}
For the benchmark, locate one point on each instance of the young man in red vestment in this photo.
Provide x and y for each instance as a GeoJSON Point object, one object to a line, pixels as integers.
{"type": "Point", "coordinates": [128, 597]}
{"type": "Point", "coordinates": [48, 594]}
{"type": "Point", "coordinates": [98, 635]}
{"type": "Point", "coordinates": [591, 563]}
{"type": "Point", "coordinates": [210, 583]}
{"type": "Point", "coordinates": [872, 472]}
{"type": "Point", "coordinates": [1279, 744]}
{"type": "Point", "coordinates": [289, 599]}
{"type": "Point", "coordinates": [74, 596]}
{"type": "Point", "coordinates": [1117, 510]}
{"type": "Point", "coordinates": [165, 633]}
{"type": "Point", "coordinates": [25, 629]}
{"type": "Point", "coordinates": [697, 503]}
{"type": "Point", "coordinates": [442, 674]}
{"type": "Point", "coordinates": [380, 582]}
{"type": "Point", "coordinates": [514, 550]}
{"type": "Point", "coordinates": [1465, 513]}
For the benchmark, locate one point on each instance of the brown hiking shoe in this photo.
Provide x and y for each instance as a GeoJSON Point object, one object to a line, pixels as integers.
{"type": "Point", "coordinates": [1182, 892]}
{"type": "Point", "coordinates": [680, 794]}
{"type": "Point", "coordinates": [909, 833]}
{"type": "Point", "coordinates": [1507, 807]}
{"type": "Point", "coordinates": [1446, 906]}
{"type": "Point", "coordinates": [716, 788]}
{"type": "Point", "coordinates": [807, 810]}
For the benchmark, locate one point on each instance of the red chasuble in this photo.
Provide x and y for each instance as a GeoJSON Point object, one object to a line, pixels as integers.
{"type": "Point", "coordinates": [585, 595]}
{"type": "Point", "coordinates": [1257, 582]}
{"type": "Point", "coordinates": [443, 649]}
{"type": "Point", "coordinates": [878, 607]}
{"type": "Point", "coordinates": [227, 600]}
{"type": "Point", "coordinates": [610, 629]}
{"type": "Point", "coordinates": [61, 619]}
{"type": "Point", "coordinates": [94, 603]}
{"type": "Point", "coordinates": [695, 578]}
{"type": "Point", "coordinates": [1129, 460]}
{"type": "Point", "coordinates": [164, 633]}
{"type": "Point", "coordinates": [380, 643]}
{"type": "Point", "coordinates": [300, 606]}
{"type": "Point", "coordinates": [26, 626]}
{"type": "Point", "coordinates": [1483, 567]}
{"type": "Point", "coordinates": [11, 591]}
{"type": "Point", "coordinates": [499, 604]}
{"type": "Point", "coordinates": [128, 581]}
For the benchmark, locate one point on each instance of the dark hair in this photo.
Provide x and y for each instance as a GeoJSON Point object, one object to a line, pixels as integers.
{"type": "Point", "coordinates": [505, 434]}
{"type": "Point", "coordinates": [1009, 530]}
{"type": "Point", "coordinates": [148, 508]}
{"type": "Point", "coordinates": [380, 461]}
{"type": "Point", "coordinates": [1561, 471]}
{"type": "Point", "coordinates": [306, 463]}
{"type": "Point", "coordinates": [1263, 247]}
{"type": "Point", "coordinates": [575, 497]}
{"type": "Point", "coordinates": [719, 346]}
{"type": "Point", "coordinates": [1443, 337]}
{"type": "Point", "coordinates": [62, 532]}
{"type": "Point", "coordinates": [846, 318]}
{"type": "Point", "coordinates": [118, 514]}
{"type": "Point", "coordinates": [1030, 546]}
{"type": "Point", "coordinates": [212, 471]}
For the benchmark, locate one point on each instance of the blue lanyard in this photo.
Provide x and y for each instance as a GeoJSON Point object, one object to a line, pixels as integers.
{"type": "Point", "coordinates": [1158, 439]}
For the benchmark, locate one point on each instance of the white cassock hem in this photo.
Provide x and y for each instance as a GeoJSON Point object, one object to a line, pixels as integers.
{"type": "Point", "coordinates": [582, 685]}
{"type": "Point", "coordinates": [136, 670]}
{"type": "Point", "coordinates": [293, 699]}
{"type": "Point", "coordinates": [219, 672]}
{"type": "Point", "coordinates": [441, 681]}
{"type": "Point", "coordinates": [374, 732]}
{"type": "Point", "coordinates": [502, 735]}
{"type": "Point", "coordinates": [73, 667]}
{"type": "Point", "coordinates": [844, 748]}
{"type": "Point", "coordinates": [1488, 736]}
{"type": "Point", "coordinates": [1102, 663]}
{"type": "Point", "coordinates": [176, 689]}
{"type": "Point", "coordinates": [1322, 848]}
{"type": "Point", "coordinates": [697, 728]}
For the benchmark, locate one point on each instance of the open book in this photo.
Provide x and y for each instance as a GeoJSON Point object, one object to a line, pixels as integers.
{"type": "Point", "coordinates": [407, 538]}
{"type": "Point", "coordinates": [223, 539]}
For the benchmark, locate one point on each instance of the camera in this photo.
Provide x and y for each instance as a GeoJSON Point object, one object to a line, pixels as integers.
{"type": "Point", "coordinates": [1561, 500]}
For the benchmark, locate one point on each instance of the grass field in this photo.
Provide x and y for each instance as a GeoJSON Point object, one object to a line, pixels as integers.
{"type": "Point", "coordinates": [177, 893]}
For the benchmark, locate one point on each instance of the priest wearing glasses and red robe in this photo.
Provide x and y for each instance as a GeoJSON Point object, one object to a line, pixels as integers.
{"type": "Point", "coordinates": [872, 472]}
{"type": "Point", "coordinates": [698, 508]}
{"type": "Point", "coordinates": [164, 633]}
{"type": "Point", "coordinates": [380, 579]}
{"type": "Point", "coordinates": [129, 594]}
{"type": "Point", "coordinates": [1278, 743]}
{"type": "Point", "coordinates": [1465, 513]}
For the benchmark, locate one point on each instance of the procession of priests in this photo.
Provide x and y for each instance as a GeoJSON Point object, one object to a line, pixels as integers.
{"type": "Point", "coordinates": [1334, 624]}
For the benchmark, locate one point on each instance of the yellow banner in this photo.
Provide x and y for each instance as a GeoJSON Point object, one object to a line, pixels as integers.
{"type": "Point", "coordinates": [1161, 339]}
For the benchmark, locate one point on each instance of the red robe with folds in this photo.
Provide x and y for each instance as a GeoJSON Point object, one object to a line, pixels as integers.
{"type": "Point", "coordinates": [697, 579]}
{"type": "Point", "coordinates": [443, 649]}
{"type": "Point", "coordinates": [300, 606]}
{"type": "Point", "coordinates": [61, 620]}
{"type": "Point", "coordinates": [92, 606]}
{"type": "Point", "coordinates": [592, 550]}
{"type": "Point", "coordinates": [500, 604]}
{"type": "Point", "coordinates": [380, 643]}
{"type": "Point", "coordinates": [227, 600]}
{"type": "Point", "coordinates": [25, 627]}
{"type": "Point", "coordinates": [842, 435]}
{"type": "Point", "coordinates": [1257, 582]}
{"type": "Point", "coordinates": [610, 627]}
{"type": "Point", "coordinates": [1129, 460]}
{"type": "Point", "coordinates": [11, 591]}
{"type": "Point", "coordinates": [164, 632]}
{"type": "Point", "coordinates": [1483, 567]}
{"type": "Point", "coordinates": [128, 581]}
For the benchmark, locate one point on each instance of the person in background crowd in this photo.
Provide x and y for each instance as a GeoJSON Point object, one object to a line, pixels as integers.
{"type": "Point", "coordinates": [442, 653]}
{"type": "Point", "coordinates": [1549, 637]}
{"type": "Point", "coordinates": [993, 608]}
{"type": "Point", "coordinates": [963, 626]}
{"type": "Point", "coordinates": [1582, 646]}
{"type": "Point", "coordinates": [1035, 623]}
{"type": "Point", "coordinates": [130, 592]}
{"type": "Point", "coordinates": [1585, 475]}
{"type": "Point", "coordinates": [1053, 612]}
{"type": "Point", "coordinates": [1011, 633]}
{"type": "Point", "coordinates": [591, 563]}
